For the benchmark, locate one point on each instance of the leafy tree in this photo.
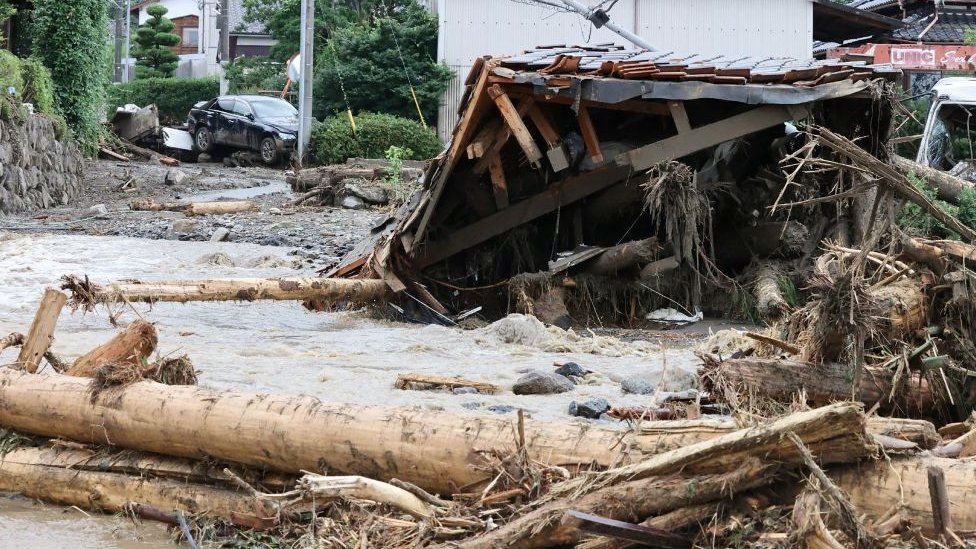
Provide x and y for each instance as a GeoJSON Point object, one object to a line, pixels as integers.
{"type": "Point", "coordinates": [153, 41]}
{"type": "Point", "coordinates": [74, 38]}
{"type": "Point", "coordinates": [364, 35]}
{"type": "Point", "coordinates": [372, 64]}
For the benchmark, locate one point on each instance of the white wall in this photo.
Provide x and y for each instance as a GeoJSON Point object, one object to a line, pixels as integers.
{"type": "Point", "coordinates": [472, 28]}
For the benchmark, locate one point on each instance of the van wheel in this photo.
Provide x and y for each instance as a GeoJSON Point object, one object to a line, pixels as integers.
{"type": "Point", "coordinates": [269, 151]}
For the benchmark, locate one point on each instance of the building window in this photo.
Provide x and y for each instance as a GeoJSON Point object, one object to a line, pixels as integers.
{"type": "Point", "coordinates": [191, 37]}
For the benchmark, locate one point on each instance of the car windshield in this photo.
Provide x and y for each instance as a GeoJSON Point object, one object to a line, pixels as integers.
{"type": "Point", "coordinates": [273, 108]}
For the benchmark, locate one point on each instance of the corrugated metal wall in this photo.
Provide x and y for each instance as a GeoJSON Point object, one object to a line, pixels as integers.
{"type": "Point", "coordinates": [472, 28]}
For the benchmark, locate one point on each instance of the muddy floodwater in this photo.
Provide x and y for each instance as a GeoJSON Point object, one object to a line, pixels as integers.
{"type": "Point", "coordinates": [279, 347]}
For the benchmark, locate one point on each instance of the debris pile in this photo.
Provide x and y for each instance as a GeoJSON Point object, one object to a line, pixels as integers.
{"type": "Point", "coordinates": [357, 184]}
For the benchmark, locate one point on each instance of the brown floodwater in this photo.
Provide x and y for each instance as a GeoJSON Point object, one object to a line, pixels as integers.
{"type": "Point", "coordinates": [279, 347]}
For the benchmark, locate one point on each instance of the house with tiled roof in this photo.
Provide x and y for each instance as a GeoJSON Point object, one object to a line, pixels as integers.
{"type": "Point", "coordinates": [210, 31]}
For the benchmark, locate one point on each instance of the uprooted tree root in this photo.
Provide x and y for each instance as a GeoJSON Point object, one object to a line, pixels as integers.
{"type": "Point", "coordinates": [84, 292]}
{"type": "Point", "coordinates": [170, 371]}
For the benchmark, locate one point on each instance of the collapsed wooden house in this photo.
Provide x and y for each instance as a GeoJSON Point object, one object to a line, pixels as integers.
{"type": "Point", "coordinates": [550, 166]}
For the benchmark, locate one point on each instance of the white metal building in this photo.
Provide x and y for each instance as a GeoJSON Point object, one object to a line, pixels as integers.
{"type": "Point", "coordinates": [472, 28]}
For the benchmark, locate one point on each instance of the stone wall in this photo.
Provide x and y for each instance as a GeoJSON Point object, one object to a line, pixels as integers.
{"type": "Point", "coordinates": [36, 170]}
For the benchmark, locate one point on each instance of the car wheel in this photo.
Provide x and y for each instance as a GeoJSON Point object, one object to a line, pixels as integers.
{"type": "Point", "coordinates": [269, 151]}
{"type": "Point", "coordinates": [204, 140]}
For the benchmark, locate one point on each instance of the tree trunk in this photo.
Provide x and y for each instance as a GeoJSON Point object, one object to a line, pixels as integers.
{"type": "Point", "coordinates": [948, 187]}
{"type": "Point", "coordinates": [221, 208]}
{"type": "Point", "coordinates": [632, 501]}
{"type": "Point", "coordinates": [436, 451]}
{"type": "Point", "coordinates": [130, 348]}
{"type": "Point", "coordinates": [877, 486]}
{"type": "Point", "coordinates": [41, 334]}
{"type": "Point", "coordinates": [770, 303]}
{"type": "Point", "coordinates": [781, 380]}
{"type": "Point", "coordinates": [337, 290]}
{"type": "Point", "coordinates": [31, 472]}
{"type": "Point", "coordinates": [625, 256]}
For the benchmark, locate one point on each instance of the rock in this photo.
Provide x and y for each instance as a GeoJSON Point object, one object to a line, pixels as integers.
{"type": "Point", "coordinates": [465, 391]}
{"type": "Point", "coordinates": [174, 176]}
{"type": "Point", "coordinates": [501, 409]}
{"type": "Point", "coordinates": [371, 193]}
{"type": "Point", "coordinates": [590, 409]}
{"type": "Point", "coordinates": [98, 209]}
{"type": "Point", "coordinates": [220, 235]}
{"type": "Point", "coordinates": [571, 369]}
{"type": "Point", "coordinates": [184, 226]}
{"type": "Point", "coordinates": [637, 386]}
{"type": "Point", "coordinates": [689, 394]}
{"type": "Point", "coordinates": [542, 383]}
{"type": "Point", "coordinates": [353, 203]}
{"type": "Point", "coordinates": [472, 405]}
{"type": "Point", "coordinates": [204, 158]}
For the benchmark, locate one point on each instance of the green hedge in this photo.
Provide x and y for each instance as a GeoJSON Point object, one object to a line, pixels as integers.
{"type": "Point", "coordinates": [173, 96]}
{"type": "Point", "coordinates": [10, 73]}
{"type": "Point", "coordinates": [333, 141]}
{"type": "Point", "coordinates": [38, 85]}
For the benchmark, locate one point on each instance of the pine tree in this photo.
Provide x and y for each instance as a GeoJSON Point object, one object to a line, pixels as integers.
{"type": "Point", "coordinates": [153, 41]}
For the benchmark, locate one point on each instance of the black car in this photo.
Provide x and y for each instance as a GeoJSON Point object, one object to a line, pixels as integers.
{"type": "Point", "coordinates": [267, 125]}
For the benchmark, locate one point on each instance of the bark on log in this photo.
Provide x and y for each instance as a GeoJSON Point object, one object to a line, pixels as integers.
{"type": "Point", "coordinates": [132, 347]}
{"type": "Point", "coordinates": [28, 471]}
{"type": "Point", "coordinates": [221, 208]}
{"type": "Point", "coordinates": [339, 290]}
{"type": "Point", "coordinates": [435, 451]}
{"type": "Point", "coordinates": [875, 487]}
{"type": "Point", "coordinates": [632, 501]}
{"type": "Point", "coordinates": [770, 303]}
{"type": "Point", "coordinates": [948, 187]}
{"type": "Point", "coordinates": [781, 380]}
{"type": "Point", "coordinates": [625, 256]}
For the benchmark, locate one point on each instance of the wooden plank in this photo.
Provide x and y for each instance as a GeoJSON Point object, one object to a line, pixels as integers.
{"type": "Point", "coordinates": [516, 125]}
{"type": "Point", "coordinates": [41, 333]}
{"type": "Point", "coordinates": [712, 134]}
{"type": "Point", "coordinates": [644, 535]}
{"type": "Point", "coordinates": [463, 134]}
{"type": "Point", "coordinates": [498, 183]}
{"type": "Point", "coordinates": [576, 188]}
{"type": "Point", "coordinates": [544, 125]}
{"type": "Point", "coordinates": [590, 136]}
{"type": "Point", "coordinates": [680, 116]}
{"type": "Point", "coordinates": [501, 137]}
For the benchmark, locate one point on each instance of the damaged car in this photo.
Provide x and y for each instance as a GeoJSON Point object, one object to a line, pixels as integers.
{"type": "Point", "coordinates": [265, 125]}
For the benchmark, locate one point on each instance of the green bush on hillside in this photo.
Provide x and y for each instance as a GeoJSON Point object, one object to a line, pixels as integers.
{"type": "Point", "coordinates": [333, 141]}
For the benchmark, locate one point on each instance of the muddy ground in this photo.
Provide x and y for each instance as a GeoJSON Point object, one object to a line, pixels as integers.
{"type": "Point", "coordinates": [318, 235]}
{"type": "Point", "coordinates": [279, 347]}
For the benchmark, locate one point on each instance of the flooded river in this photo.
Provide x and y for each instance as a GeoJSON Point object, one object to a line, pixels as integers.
{"type": "Point", "coordinates": [279, 347]}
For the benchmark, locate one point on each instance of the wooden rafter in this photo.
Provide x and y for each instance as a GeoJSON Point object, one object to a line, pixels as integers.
{"type": "Point", "coordinates": [590, 136]}
{"type": "Point", "coordinates": [576, 188]}
{"type": "Point", "coordinates": [680, 116]}
{"type": "Point", "coordinates": [498, 182]}
{"type": "Point", "coordinates": [515, 124]}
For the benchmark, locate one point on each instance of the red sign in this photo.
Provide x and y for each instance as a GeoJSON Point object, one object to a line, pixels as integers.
{"type": "Point", "coordinates": [913, 56]}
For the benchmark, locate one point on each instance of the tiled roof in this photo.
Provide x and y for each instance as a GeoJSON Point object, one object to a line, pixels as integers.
{"type": "Point", "coordinates": [236, 23]}
{"type": "Point", "coordinates": [950, 27]}
{"type": "Point", "coordinates": [632, 64]}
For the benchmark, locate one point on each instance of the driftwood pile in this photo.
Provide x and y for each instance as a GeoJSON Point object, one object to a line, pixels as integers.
{"type": "Point", "coordinates": [357, 184]}
{"type": "Point", "coordinates": [117, 432]}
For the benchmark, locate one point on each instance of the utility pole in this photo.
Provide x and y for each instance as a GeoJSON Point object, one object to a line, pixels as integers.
{"type": "Point", "coordinates": [305, 99]}
{"type": "Point", "coordinates": [600, 18]}
{"type": "Point", "coordinates": [119, 39]}
{"type": "Point", "coordinates": [128, 39]}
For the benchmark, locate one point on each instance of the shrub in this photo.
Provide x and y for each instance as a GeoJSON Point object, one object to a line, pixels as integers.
{"type": "Point", "coordinates": [153, 41]}
{"type": "Point", "coordinates": [38, 85]}
{"type": "Point", "coordinates": [333, 141]}
{"type": "Point", "coordinates": [255, 74]}
{"type": "Point", "coordinates": [10, 73]}
{"type": "Point", "coordinates": [173, 96]}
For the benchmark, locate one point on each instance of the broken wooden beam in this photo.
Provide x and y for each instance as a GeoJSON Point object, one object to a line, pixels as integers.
{"type": "Point", "coordinates": [499, 185]}
{"type": "Point", "coordinates": [41, 334]}
{"type": "Point", "coordinates": [331, 290]}
{"type": "Point", "coordinates": [515, 124]}
{"type": "Point", "coordinates": [590, 137]}
{"type": "Point", "coordinates": [405, 381]}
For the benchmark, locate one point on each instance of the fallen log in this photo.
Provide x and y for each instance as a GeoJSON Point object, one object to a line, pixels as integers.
{"type": "Point", "coordinates": [625, 256]}
{"type": "Point", "coordinates": [41, 334]}
{"type": "Point", "coordinates": [331, 290]}
{"type": "Point", "coordinates": [736, 380]}
{"type": "Point", "coordinates": [739, 460]}
{"type": "Point", "coordinates": [408, 381]}
{"type": "Point", "coordinates": [31, 472]}
{"type": "Point", "coordinates": [436, 451]}
{"type": "Point", "coordinates": [130, 348]}
{"type": "Point", "coordinates": [551, 526]}
{"type": "Point", "coordinates": [221, 208]}
{"type": "Point", "coordinates": [150, 205]}
{"type": "Point", "coordinates": [948, 187]}
{"type": "Point", "coordinates": [875, 487]}
{"type": "Point", "coordinates": [770, 303]}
